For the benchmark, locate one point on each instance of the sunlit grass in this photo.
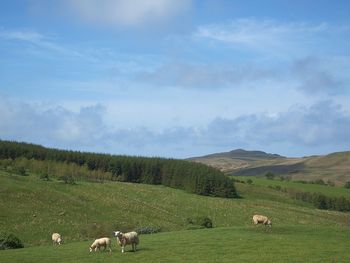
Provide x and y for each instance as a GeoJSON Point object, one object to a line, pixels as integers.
{"type": "Point", "coordinates": [287, 243]}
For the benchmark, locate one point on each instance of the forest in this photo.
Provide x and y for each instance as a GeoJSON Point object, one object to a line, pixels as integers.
{"type": "Point", "coordinates": [73, 166]}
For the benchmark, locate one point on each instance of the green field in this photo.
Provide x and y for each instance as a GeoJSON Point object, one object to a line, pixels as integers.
{"type": "Point", "coordinates": [333, 191]}
{"type": "Point", "coordinates": [287, 243]}
{"type": "Point", "coordinates": [32, 209]}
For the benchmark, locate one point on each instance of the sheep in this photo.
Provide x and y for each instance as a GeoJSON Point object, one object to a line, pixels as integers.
{"type": "Point", "coordinates": [130, 238]}
{"type": "Point", "coordinates": [260, 219]}
{"type": "Point", "coordinates": [56, 239]}
{"type": "Point", "coordinates": [101, 242]}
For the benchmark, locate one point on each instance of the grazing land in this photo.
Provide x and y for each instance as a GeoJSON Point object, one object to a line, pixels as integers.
{"type": "Point", "coordinates": [332, 191]}
{"type": "Point", "coordinates": [284, 243]}
{"type": "Point", "coordinates": [32, 209]}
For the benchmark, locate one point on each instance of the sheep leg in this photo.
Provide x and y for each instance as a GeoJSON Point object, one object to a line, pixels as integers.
{"type": "Point", "coordinates": [122, 249]}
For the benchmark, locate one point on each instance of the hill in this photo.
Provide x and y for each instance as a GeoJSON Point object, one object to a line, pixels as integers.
{"type": "Point", "coordinates": [334, 167]}
{"type": "Point", "coordinates": [236, 159]}
{"type": "Point", "coordinates": [32, 208]}
{"type": "Point", "coordinates": [241, 154]}
{"type": "Point", "coordinates": [70, 166]}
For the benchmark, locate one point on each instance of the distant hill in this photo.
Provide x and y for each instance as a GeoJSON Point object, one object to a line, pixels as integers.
{"type": "Point", "coordinates": [334, 167]}
{"type": "Point", "coordinates": [241, 154]}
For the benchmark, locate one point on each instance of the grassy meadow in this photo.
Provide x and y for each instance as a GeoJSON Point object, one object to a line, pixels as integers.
{"type": "Point", "coordinates": [333, 191]}
{"type": "Point", "coordinates": [32, 209]}
{"type": "Point", "coordinates": [287, 243]}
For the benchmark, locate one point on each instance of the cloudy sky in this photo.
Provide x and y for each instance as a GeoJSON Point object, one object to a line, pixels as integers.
{"type": "Point", "coordinates": [176, 78]}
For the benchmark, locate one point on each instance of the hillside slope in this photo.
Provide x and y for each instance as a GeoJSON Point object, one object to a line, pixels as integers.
{"type": "Point", "coordinates": [237, 159]}
{"type": "Point", "coordinates": [32, 209]}
{"type": "Point", "coordinates": [334, 167]}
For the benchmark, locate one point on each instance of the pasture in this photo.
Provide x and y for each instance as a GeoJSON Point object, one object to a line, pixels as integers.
{"type": "Point", "coordinates": [33, 209]}
{"type": "Point", "coordinates": [287, 243]}
{"type": "Point", "coordinates": [332, 191]}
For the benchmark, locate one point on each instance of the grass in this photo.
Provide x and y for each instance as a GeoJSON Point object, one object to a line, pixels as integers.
{"type": "Point", "coordinates": [333, 191]}
{"type": "Point", "coordinates": [288, 243]}
{"type": "Point", "coordinates": [33, 209]}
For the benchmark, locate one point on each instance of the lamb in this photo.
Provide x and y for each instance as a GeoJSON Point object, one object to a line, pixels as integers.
{"type": "Point", "coordinates": [130, 238]}
{"type": "Point", "coordinates": [260, 219]}
{"type": "Point", "coordinates": [101, 242]}
{"type": "Point", "coordinates": [56, 239]}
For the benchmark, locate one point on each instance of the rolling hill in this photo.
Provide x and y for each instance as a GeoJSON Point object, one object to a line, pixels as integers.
{"type": "Point", "coordinates": [32, 208]}
{"type": "Point", "coordinates": [334, 167]}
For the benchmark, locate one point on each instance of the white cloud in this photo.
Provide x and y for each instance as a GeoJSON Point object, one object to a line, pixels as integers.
{"type": "Point", "coordinates": [51, 125]}
{"type": "Point", "coordinates": [322, 125]}
{"type": "Point", "coordinates": [325, 127]}
{"type": "Point", "coordinates": [214, 76]}
{"type": "Point", "coordinates": [40, 41]}
{"type": "Point", "coordinates": [269, 37]}
{"type": "Point", "coordinates": [315, 77]}
{"type": "Point", "coordinates": [128, 13]}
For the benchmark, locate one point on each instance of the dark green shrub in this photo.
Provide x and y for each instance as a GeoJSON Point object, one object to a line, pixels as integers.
{"type": "Point", "coordinates": [201, 221]}
{"type": "Point", "coordinates": [319, 181]}
{"type": "Point", "coordinates": [148, 230]}
{"type": "Point", "coordinates": [44, 177]}
{"type": "Point", "coordinates": [347, 185]}
{"type": "Point", "coordinates": [67, 179]}
{"type": "Point", "coordinates": [270, 176]}
{"type": "Point", "coordinates": [249, 181]}
{"type": "Point", "coordinates": [10, 241]}
{"type": "Point", "coordinates": [20, 170]}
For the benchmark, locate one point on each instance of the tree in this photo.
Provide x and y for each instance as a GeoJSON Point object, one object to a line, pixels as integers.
{"type": "Point", "coordinates": [347, 185]}
{"type": "Point", "coordinates": [270, 176]}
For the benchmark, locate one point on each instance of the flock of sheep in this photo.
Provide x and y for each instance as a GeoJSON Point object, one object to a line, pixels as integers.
{"type": "Point", "coordinates": [131, 238]}
{"type": "Point", "coordinates": [123, 239]}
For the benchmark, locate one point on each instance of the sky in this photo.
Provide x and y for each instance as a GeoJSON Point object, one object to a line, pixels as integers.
{"type": "Point", "coordinates": [176, 79]}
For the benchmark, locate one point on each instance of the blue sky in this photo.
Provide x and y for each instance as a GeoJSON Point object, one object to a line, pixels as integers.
{"type": "Point", "coordinates": [176, 78]}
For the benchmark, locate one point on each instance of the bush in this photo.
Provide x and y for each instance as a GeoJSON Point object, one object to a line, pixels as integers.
{"type": "Point", "coordinates": [319, 181]}
{"type": "Point", "coordinates": [148, 230]}
{"type": "Point", "coordinates": [347, 185]}
{"type": "Point", "coordinates": [202, 221]}
{"type": "Point", "coordinates": [67, 179]}
{"type": "Point", "coordinates": [44, 176]}
{"type": "Point", "coordinates": [249, 181]}
{"type": "Point", "coordinates": [270, 176]}
{"type": "Point", "coordinates": [10, 241]}
{"type": "Point", "coordinates": [20, 170]}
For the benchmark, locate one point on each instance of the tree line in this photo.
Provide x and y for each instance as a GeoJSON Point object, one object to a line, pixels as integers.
{"type": "Point", "coordinates": [318, 200]}
{"type": "Point", "coordinates": [192, 177]}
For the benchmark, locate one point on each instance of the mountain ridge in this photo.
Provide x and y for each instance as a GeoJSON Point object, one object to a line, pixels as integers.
{"type": "Point", "coordinates": [334, 166]}
{"type": "Point", "coordinates": [242, 154]}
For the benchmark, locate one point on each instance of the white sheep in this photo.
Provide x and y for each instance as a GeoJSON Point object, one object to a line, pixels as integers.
{"type": "Point", "coordinates": [130, 238]}
{"type": "Point", "coordinates": [260, 219]}
{"type": "Point", "coordinates": [56, 239]}
{"type": "Point", "coordinates": [101, 242]}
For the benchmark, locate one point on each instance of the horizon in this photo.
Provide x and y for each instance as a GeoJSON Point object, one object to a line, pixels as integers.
{"type": "Point", "coordinates": [190, 157]}
{"type": "Point", "coordinates": [176, 79]}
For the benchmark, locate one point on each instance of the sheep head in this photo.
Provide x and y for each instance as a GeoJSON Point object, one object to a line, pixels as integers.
{"type": "Point", "coordinates": [118, 234]}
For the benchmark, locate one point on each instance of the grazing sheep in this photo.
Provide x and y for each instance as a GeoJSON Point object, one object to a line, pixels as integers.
{"type": "Point", "coordinates": [259, 219]}
{"type": "Point", "coordinates": [130, 238]}
{"type": "Point", "coordinates": [56, 239]}
{"type": "Point", "coordinates": [101, 242]}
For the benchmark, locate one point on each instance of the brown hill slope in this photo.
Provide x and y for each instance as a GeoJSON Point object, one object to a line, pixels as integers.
{"type": "Point", "coordinates": [334, 167]}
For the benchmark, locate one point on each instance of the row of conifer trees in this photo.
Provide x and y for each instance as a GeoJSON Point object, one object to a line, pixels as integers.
{"type": "Point", "coordinates": [192, 177]}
